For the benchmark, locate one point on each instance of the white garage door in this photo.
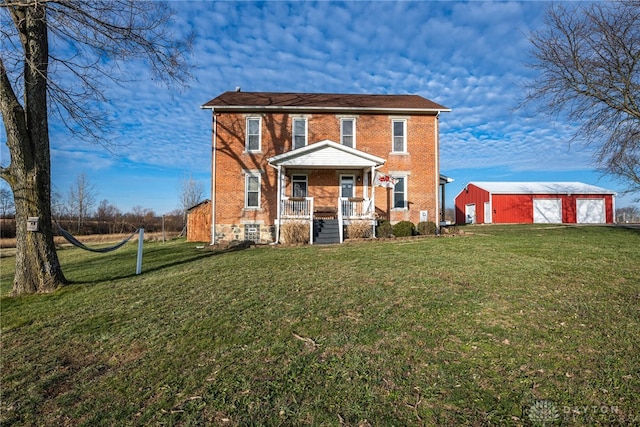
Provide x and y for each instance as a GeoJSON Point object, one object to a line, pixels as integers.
{"type": "Point", "coordinates": [590, 211]}
{"type": "Point", "coordinates": [547, 211]}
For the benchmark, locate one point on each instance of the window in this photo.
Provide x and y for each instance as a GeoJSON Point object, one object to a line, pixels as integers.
{"type": "Point", "coordinates": [399, 136]}
{"type": "Point", "coordinates": [348, 132]}
{"type": "Point", "coordinates": [400, 193]}
{"type": "Point", "coordinates": [299, 186]}
{"type": "Point", "coordinates": [299, 133]}
{"type": "Point", "coordinates": [253, 134]}
{"type": "Point", "coordinates": [252, 191]}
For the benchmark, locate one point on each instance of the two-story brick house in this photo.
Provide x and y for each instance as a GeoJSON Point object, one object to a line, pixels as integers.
{"type": "Point", "coordinates": [279, 157]}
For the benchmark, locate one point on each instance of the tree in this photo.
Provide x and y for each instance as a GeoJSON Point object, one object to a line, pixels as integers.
{"type": "Point", "coordinates": [628, 214]}
{"type": "Point", "coordinates": [588, 64]}
{"type": "Point", "coordinates": [108, 215]}
{"type": "Point", "coordinates": [191, 195]}
{"type": "Point", "coordinates": [82, 198]}
{"type": "Point", "coordinates": [89, 41]}
{"type": "Point", "coordinates": [6, 203]}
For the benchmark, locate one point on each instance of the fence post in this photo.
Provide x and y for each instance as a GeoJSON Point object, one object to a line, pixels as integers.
{"type": "Point", "coordinates": [140, 242]}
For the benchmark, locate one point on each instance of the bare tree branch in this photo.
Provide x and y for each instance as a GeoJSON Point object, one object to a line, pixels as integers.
{"type": "Point", "coordinates": [588, 64]}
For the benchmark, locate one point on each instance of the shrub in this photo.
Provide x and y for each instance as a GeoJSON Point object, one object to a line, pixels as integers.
{"type": "Point", "coordinates": [295, 232]}
{"type": "Point", "coordinates": [427, 228]}
{"type": "Point", "coordinates": [404, 229]}
{"type": "Point", "coordinates": [384, 229]}
{"type": "Point", "coordinates": [359, 229]}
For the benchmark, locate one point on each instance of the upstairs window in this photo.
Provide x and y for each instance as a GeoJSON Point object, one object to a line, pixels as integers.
{"type": "Point", "coordinates": [299, 133]}
{"type": "Point", "coordinates": [348, 132]}
{"type": "Point", "coordinates": [252, 191]}
{"type": "Point", "coordinates": [253, 134]}
{"type": "Point", "coordinates": [399, 129]}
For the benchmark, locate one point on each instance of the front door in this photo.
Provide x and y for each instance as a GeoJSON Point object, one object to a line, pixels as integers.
{"type": "Point", "coordinates": [347, 186]}
{"type": "Point", "coordinates": [347, 190]}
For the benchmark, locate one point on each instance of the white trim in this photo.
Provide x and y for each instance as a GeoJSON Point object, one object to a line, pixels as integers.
{"type": "Point", "coordinates": [340, 157]}
{"type": "Point", "coordinates": [306, 181]}
{"type": "Point", "coordinates": [247, 177]}
{"type": "Point", "coordinates": [436, 146]}
{"type": "Point", "coordinates": [353, 179]}
{"type": "Point", "coordinates": [293, 133]}
{"type": "Point", "coordinates": [466, 213]}
{"type": "Point", "coordinates": [246, 134]}
{"type": "Point", "coordinates": [353, 135]}
{"type": "Point", "coordinates": [380, 110]}
{"type": "Point", "coordinates": [404, 136]}
{"type": "Point", "coordinates": [405, 181]}
{"type": "Point", "coordinates": [213, 178]}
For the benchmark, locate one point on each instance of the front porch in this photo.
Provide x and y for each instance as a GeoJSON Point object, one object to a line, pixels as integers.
{"type": "Point", "coordinates": [319, 218]}
{"type": "Point", "coordinates": [327, 186]}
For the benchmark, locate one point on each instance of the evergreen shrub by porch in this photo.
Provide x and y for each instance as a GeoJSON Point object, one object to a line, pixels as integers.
{"type": "Point", "coordinates": [384, 229]}
{"type": "Point", "coordinates": [359, 230]}
{"type": "Point", "coordinates": [294, 232]}
{"type": "Point", "coordinates": [427, 228]}
{"type": "Point", "coordinates": [404, 229]}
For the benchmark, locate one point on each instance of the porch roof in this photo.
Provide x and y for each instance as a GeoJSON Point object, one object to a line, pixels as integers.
{"type": "Point", "coordinates": [326, 154]}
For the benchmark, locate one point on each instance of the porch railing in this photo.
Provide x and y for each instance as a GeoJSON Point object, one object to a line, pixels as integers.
{"type": "Point", "coordinates": [297, 208]}
{"type": "Point", "coordinates": [349, 209]}
{"type": "Point", "coordinates": [356, 208]}
{"type": "Point", "coordinates": [352, 208]}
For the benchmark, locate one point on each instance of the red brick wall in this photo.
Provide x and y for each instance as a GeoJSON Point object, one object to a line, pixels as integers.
{"type": "Point", "coordinates": [373, 135]}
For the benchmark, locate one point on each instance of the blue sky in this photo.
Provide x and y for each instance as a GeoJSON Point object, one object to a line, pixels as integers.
{"type": "Point", "coordinates": [468, 56]}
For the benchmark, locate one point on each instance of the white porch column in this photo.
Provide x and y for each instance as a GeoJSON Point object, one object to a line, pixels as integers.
{"type": "Point", "coordinates": [279, 201]}
{"type": "Point", "coordinates": [373, 199]}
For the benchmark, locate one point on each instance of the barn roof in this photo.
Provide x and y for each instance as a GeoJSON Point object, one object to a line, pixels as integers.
{"type": "Point", "coordinates": [242, 101]}
{"type": "Point", "coordinates": [541, 188]}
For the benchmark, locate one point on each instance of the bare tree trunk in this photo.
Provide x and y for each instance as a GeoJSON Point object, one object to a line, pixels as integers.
{"type": "Point", "coordinates": [37, 265]}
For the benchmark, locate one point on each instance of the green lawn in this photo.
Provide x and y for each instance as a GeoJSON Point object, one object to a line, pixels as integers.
{"type": "Point", "coordinates": [507, 325]}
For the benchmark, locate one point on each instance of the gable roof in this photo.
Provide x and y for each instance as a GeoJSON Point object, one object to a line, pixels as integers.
{"type": "Point", "coordinates": [541, 188]}
{"type": "Point", "coordinates": [244, 101]}
{"type": "Point", "coordinates": [326, 154]}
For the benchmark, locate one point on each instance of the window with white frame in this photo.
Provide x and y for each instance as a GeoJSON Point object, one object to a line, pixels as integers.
{"type": "Point", "coordinates": [299, 132]}
{"type": "Point", "coordinates": [399, 129]}
{"type": "Point", "coordinates": [400, 193]}
{"type": "Point", "coordinates": [348, 132]}
{"type": "Point", "coordinates": [252, 191]}
{"type": "Point", "coordinates": [299, 185]}
{"type": "Point", "coordinates": [253, 140]}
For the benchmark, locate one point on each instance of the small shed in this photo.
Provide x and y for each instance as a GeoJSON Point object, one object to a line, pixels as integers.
{"type": "Point", "coordinates": [534, 202]}
{"type": "Point", "coordinates": [199, 222]}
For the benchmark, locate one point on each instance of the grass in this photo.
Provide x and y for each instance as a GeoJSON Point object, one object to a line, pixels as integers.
{"type": "Point", "coordinates": [474, 330]}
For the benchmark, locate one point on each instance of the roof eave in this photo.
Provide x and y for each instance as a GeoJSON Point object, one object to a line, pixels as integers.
{"type": "Point", "coordinates": [278, 108]}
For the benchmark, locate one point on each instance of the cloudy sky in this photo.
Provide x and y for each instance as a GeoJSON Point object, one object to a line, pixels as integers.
{"type": "Point", "coordinates": [468, 56]}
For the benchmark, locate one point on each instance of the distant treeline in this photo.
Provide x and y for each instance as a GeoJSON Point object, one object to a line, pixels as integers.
{"type": "Point", "coordinates": [122, 224]}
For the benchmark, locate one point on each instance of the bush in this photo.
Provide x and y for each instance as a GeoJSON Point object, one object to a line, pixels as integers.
{"type": "Point", "coordinates": [404, 229]}
{"type": "Point", "coordinates": [295, 232]}
{"type": "Point", "coordinates": [359, 230]}
{"type": "Point", "coordinates": [384, 229]}
{"type": "Point", "coordinates": [427, 228]}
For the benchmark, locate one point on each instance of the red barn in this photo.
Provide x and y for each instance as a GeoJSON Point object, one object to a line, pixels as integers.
{"type": "Point", "coordinates": [534, 202]}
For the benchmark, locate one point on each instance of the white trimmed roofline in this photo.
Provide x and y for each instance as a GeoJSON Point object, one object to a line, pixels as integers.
{"type": "Point", "coordinates": [321, 145]}
{"type": "Point", "coordinates": [251, 108]}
